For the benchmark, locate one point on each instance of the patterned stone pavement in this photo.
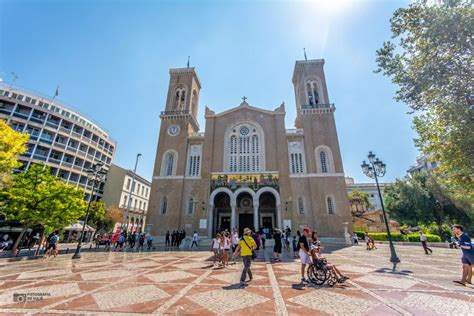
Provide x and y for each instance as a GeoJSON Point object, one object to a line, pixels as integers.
{"type": "Point", "coordinates": [187, 283]}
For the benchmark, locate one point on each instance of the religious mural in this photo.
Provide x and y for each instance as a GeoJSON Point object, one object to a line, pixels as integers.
{"type": "Point", "coordinates": [252, 181]}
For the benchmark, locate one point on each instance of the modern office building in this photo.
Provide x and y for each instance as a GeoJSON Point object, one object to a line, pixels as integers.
{"type": "Point", "coordinates": [247, 169]}
{"type": "Point", "coordinates": [60, 137]}
{"type": "Point", "coordinates": [122, 184]}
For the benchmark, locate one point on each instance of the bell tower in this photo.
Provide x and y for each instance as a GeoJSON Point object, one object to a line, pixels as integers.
{"type": "Point", "coordinates": [183, 96]}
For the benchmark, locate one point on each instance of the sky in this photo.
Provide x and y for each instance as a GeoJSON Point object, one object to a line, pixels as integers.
{"type": "Point", "coordinates": [111, 61]}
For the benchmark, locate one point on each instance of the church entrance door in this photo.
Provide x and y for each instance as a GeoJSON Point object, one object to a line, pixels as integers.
{"type": "Point", "coordinates": [224, 223]}
{"type": "Point", "coordinates": [245, 221]}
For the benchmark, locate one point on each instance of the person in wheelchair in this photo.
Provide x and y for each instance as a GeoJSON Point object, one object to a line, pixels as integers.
{"type": "Point", "coordinates": [320, 262]}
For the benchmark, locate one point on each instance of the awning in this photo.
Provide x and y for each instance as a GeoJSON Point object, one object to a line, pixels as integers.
{"type": "Point", "coordinates": [78, 227]}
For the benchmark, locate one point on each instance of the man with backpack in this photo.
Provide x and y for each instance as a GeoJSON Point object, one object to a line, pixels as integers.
{"type": "Point", "coordinates": [52, 247]}
{"type": "Point", "coordinates": [246, 247]}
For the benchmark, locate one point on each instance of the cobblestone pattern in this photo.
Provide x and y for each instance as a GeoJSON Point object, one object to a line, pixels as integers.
{"type": "Point", "coordinates": [187, 282]}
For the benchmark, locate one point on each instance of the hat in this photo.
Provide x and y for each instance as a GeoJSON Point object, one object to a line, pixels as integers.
{"type": "Point", "coordinates": [307, 229]}
{"type": "Point", "coordinates": [247, 231]}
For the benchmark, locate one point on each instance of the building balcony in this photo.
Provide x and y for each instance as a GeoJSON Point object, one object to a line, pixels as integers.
{"type": "Point", "coordinates": [21, 115]}
{"type": "Point", "coordinates": [40, 157]}
{"type": "Point", "coordinates": [5, 111]}
{"type": "Point", "coordinates": [52, 124]}
{"type": "Point", "coordinates": [54, 160]}
{"type": "Point", "coordinates": [37, 120]}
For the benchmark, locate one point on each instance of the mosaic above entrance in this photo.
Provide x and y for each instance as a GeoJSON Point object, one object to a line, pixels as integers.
{"type": "Point", "coordinates": [253, 181]}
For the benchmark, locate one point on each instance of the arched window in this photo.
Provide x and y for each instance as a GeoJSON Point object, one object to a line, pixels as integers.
{"type": "Point", "coordinates": [191, 206]}
{"type": "Point", "coordinates": [300, 205]}
{"type": "Point", "coordinates": [323, 160]}
{"type": "Point", "coordinates": [169, 164]}
{"type": "Point", "coordinates": [164, 205]}
{"type": "Point", "coordinates": [330, 205]}
{"type": "Point", "coordinates": [244, 149]}
{"type": "Point", "coordinates": [179, 98]}
{"type": "Point", "coordinates": [312, 92]}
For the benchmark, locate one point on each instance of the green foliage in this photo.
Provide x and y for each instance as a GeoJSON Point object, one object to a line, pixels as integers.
{"type": "Point", "coordinates": [383, 236]}
{"type": "Point", "coordinates": [399, 237]}
{"type": "Point", "coordinates": [96, 214]}
{"type": "Point", "coordinates": [12, 144]}
{"type": "Point", "coordinates": [429, 238]}
{"type": "Point", "coordinates": [37, 197]}
{"type": "Point", "coordinates": [358, 194]}
{"type": "Point", "coordinates": [112, 216]}
{"type": "Point", "coordinates": [420, 200]}
{"type": "Point", "coordinates": [432, 65]}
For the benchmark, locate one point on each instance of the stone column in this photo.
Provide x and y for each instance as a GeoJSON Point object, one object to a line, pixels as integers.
{"type": "Point", "coordinates": [233, 214]}
{"type": "Point", "coordinates": [210, 220]}
{"type": "Point", "coordinates": [255, 217]}
{"type": "Point", "coordinates": [279, 222]}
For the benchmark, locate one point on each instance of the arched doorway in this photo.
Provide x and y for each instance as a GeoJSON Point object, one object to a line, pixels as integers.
{"type": "Point", "coordinates": [267, 211]}
{"type": "Point", "coordinates": [222, 212]}
{"type": "Point", "coordinates": [245, 211]}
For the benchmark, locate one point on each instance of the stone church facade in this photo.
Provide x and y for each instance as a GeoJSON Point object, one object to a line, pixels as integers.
{"type": "Point", "coordinates": [247, 169]}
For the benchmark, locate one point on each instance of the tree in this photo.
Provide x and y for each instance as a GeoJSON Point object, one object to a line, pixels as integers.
{"type": "Point", "coordinates": [12, 144]}
{"type": "Point", "coordinates": [432, 65]}
{"type": "Point", "coordinates": [112, 216]}
{"type": "Point", "coordinates": [359, 195]}
{"type": "Point", "coordinates": [36, 197]}
{"type": "Point", "coordinates": [420, 200]}
{"type": "Point", "coordinates": [97, 214]}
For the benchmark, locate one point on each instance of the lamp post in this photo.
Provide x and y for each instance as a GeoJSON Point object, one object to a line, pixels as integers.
{"type": "Point", "coordinates": [375, 169]}
{"type": "Point", "coordinates": [132, 187]}
{"type": "Point", "coordinates": [97, 175]}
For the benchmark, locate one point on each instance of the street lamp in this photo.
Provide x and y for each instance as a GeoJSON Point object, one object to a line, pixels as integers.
{"type": "Point", "coordinates": [132, 187]}
{"type": "Point", "coordinates": [97, 175]}
{"type": "Point", "coordinates": [375, 169]}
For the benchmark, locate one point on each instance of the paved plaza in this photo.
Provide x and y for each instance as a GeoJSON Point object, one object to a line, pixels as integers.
{"type": "Point", "coordinates": [186, 283]}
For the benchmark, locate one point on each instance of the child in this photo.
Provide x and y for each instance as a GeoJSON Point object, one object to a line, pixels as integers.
{"type": "Point", "coordinates": [215, 248]}
{"type": "Point", "coordinates": [295, 247]}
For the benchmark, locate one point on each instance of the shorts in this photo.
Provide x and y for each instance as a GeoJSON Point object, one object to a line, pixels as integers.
{"type": "Point", "coordinates": [305, 259]}
{"type": "Point", "coordinates": [277, 249]}
{"type": "Point", "coordinates": [467, 259]}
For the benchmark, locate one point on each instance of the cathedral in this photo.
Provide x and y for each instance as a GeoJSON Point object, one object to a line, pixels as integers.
{"type": "Point", "coordinates": [246, 169]}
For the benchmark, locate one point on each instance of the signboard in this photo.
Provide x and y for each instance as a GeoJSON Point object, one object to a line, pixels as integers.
{"type": "Point", "coordinates": [202, 223]}
{"type": "Point", "coordinates": [253, 181]}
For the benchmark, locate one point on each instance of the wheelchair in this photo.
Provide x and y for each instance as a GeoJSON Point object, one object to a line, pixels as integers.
{"type": "Point", "coordinates": [319, 273]}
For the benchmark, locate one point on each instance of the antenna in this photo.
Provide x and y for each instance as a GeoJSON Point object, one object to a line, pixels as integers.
{"type": "Point", "coordinates": [305, 58]}
{"type": "Point", "coordinates": [188, 61]}
{"type": "Point", "coordinates": [15, 76]}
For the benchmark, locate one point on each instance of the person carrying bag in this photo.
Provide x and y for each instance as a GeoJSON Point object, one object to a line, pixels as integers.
{"type": "Point", "coordinates": [246, 247]}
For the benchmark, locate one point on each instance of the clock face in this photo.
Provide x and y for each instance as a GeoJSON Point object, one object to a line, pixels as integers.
{"type": "Point", "coordinates": [174, 130]}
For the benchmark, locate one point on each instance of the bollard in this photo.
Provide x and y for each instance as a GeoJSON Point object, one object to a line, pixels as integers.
{"type": "Point", "coordinates": [67, 250]}
{"type": "Point", "coordinates": [90, 247]}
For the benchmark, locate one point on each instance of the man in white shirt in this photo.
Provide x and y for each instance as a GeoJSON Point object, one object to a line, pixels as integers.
{"type": "Point", "coordinates": [423, 243]}
{"type": "Point", "coordinates": [195, 240]}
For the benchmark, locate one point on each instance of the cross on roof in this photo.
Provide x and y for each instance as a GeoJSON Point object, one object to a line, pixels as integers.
{"type": "Point", "coordinates": [244, 98]}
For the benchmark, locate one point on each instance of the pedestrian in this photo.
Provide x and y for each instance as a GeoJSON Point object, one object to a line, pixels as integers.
{"type": "Point", "coordinates": [246, 246]}
{"type": "Point", "coordinates": [5, 242]}
{"type": "Point", "coordinates": [295, 247]}
{"type": "Point", "coordinates": [367, 240]}
{"type": "Point", "coordinates": [120, 242]}
{"type": "Point", "coordinates": [131, 240]}
{"type": "Point", "coordinates": [167, 238]}
{"type": "Point", "coordinates": [356, 238]}
{"type": "Point", "coordinates": [277, 247]}
{"type": "Point", "coordinates": [235, 242]}
{"type": "Point", "coordinates": [141, 241]}
{"type": "Point", "coordinates": [423, 243]}
{"type": "Point", "coordinates": [149, 241]}
{"type": "Point", "coordinates": [215, 245]}
{"type": "Point", "coordinates": [263, 238]}
{"type": "Point", "coordinates": [52, 247]}
{"type": "Point", "coordinates": [173, 238]}
{"type": "Point", "coordinates": [305, 256]}
{"type": "Point", "coordinates": [225, 247]}
{"type": "Point", "coordinates": [467, 259]}
{"type": "Point", "coordinates": [195, 240]}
